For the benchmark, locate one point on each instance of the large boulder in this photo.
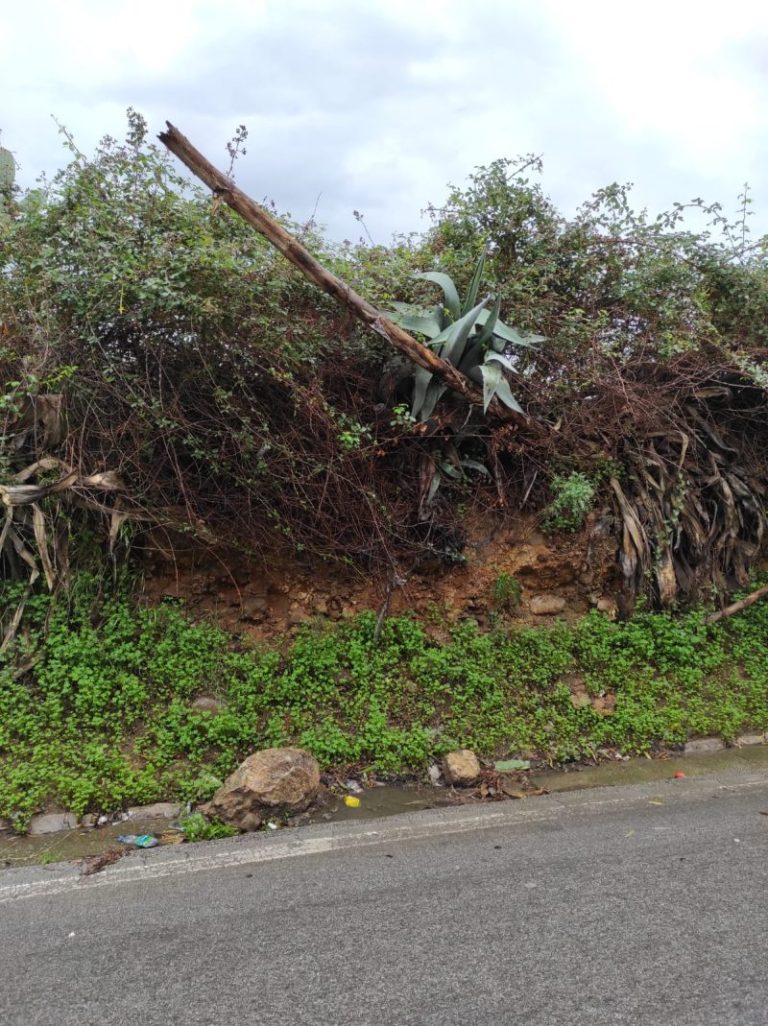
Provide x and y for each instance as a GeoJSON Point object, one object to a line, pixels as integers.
{"type": "Point", "coordinates": [271, 782]}
{"type": "Point", "coordinates": [461, 768]}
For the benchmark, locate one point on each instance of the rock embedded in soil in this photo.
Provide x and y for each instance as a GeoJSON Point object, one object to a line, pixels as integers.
{"type": "Point", "coordinates": [703, 745]}
{"type": "Point", "coordinates": [580, 700]}
{"type": "Point", "coordinates": [547, 605]}
{"type": "Point", "coordinates": [607, 606]}
{"type": "Point", "coordinates": [604, 705]}
{"type": "Point", "coordinates": [750, 739]}
{"type": "Point", "coordinates": [159, 810]}
{"type": "Point", "coordinates": [273, 781]}
{"type": "Point", "coordinates": [208, 704]}
{"type": "Point", "coordinates": [461, 768]}
{"type": "Point", "coordinates": [52, 823]}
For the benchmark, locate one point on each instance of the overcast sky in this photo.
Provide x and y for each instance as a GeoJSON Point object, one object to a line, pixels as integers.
{"type": "Point", "coordinates": [375, 105]}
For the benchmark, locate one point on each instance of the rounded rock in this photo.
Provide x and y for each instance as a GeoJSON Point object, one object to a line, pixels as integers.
{"type": "Point", "coordinates": [273, 780]}
{"type": "Point", "coordinates": [461, 768]}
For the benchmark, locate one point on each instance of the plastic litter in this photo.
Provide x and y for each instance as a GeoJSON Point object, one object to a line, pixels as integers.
{"type": "Point", "coordinates": [510, 765]}
{"type": "Point", "coordinates": [139, 840]}
{"type": "Point", "coordinates": [351, 801]}
{"type": "Point", "coordinates": [679, 775]}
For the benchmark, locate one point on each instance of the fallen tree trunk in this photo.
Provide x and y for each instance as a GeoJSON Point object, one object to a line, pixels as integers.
{"type": "Point", "coordinates": [292, 250]}
{"type": "Point", "coordinates": [737, 607]}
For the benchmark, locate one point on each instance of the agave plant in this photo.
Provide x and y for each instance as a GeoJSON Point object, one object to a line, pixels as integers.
{"type": "Point", "coordinates": [469, 335]}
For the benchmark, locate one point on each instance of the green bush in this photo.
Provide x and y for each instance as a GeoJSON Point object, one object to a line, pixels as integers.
{"type": "Point", "coordinates": [573, 498]}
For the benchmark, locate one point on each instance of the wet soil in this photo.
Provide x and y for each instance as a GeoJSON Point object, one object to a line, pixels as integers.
{"type": "Point", "coordinates": [637, 771]}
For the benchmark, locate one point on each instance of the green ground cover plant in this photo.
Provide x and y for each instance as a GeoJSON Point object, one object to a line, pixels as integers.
{"type": "Point", "coordinates": [97, 695]}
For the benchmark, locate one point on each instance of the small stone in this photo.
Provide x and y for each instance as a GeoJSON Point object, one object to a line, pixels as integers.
{"type": "Point", "coordinates": [296, 615]}
{"type": "Point", "coordinates": [547, 605]}
{"type": "Point", "coordinates": [580, 700]}
{"type": "Point", "coordinates": [703, 745]}
{"type": "Point", "coordinates": [254, 607]}
{"type": "Point", "coordinates": [434, 774]}
{"type": "Point", "coordinates": [160, 810]}
{"type": "Point", "coordinates": [604, 705]}
{"type": "Point", "coordinates": [249, 822]}
{"type": "Point", "coordinates": [750, 739]}
{"type": "Point", "coordinates": [320, 606]}
{"type": "Point", "coordinates": [607, 606]}
{"type": "Point", "coordinates": [208, 704]}
{"type": "Point", "coordinates": [89, 821]}
{"type": "Point", "coordinates": [52, 823]}
{"type": "Point", "coordinates": [461, 768]}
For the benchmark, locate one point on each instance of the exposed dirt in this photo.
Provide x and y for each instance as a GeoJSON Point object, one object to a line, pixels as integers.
{"type": "Point", "coordinates": [268, 601]}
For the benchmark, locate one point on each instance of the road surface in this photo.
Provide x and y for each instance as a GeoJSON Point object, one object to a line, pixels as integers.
{"type": "Point", "coordinates": [644, 905]}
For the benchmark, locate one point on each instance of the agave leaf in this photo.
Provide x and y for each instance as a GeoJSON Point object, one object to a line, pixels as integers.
{"type": "Point", "coordinates": [502, 330]}
{"type": "Point", "coordinates": [417, 318]}
{"type": "Point", "coordinates": [504, 393]}
{"type": "Point", "coordinates": [455, 472]}
{"type": "Point", "coordinates": [473, 357]}
{"type": "Point", "coordinates": [489, 329]}
{"type": "Point", "coordinates": [491, 373]}
{"type": "Point", "coordinates": [474, 285]}
{"type": "Point", "coordinates": [476, 465]}
{"type": "Point", "coordinates": [455, 337]}
{"type": "Point", "coordinates": [452, 301]}
{"type": "Point", "coordinates": [502, 358]}
{"type": "Point", "coordinates": [421, 380]}
{"type": "Point", "coordinates": [435, 392]}
{"type": "Point", "coordinates": [434, 484]}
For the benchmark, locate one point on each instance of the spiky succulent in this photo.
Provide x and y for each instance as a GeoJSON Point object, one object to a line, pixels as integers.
{"type": "Point", "coordinates": [468, 335]}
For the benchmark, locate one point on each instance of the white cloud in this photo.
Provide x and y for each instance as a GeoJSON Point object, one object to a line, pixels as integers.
{"type": "Point", "coordinates": [377, 104]}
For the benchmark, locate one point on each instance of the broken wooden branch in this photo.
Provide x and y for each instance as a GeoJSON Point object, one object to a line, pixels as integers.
{"type": "Point", "coordinates": [224, 188]}
{"type": "Point", "coordinates": [737, 607]}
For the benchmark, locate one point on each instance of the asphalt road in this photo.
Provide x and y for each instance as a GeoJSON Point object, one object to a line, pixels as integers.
{"type": "Point", "coordinates": [635, 905]}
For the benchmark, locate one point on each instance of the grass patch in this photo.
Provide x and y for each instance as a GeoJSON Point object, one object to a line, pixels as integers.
{"type": "Point", "coordinates": [104, 718]}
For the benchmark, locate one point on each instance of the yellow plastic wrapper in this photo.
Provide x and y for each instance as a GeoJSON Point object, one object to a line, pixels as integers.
{"type": "Point", "coordinates": [351, 801]}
